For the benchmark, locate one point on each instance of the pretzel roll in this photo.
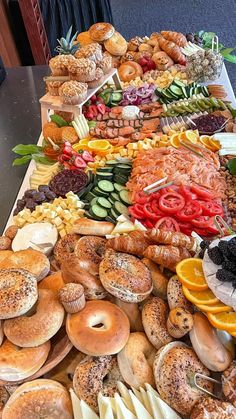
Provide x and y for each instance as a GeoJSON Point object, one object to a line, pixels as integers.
{"type": "Point", "coordinates": [101, 328]}
{"type": "Point", "coordinates": [90, 251]}
{"type": "Point", "coordinates": [18, 292]}
{"type": "Point", "coordinates": [34, 330]}
{"type": "Point", "coordinates": [31, 260]}
{"type": "Point", "coordinates": [136, 359]}
{"type": "Point", "coordinates": [129, 71]}
{"type": "Point", "coordinates": [17, 364]}
{"type": "Point", "coordinates": [125, 276]}
{"type": "Point", "coordinates": [39, 399]}
{"type": "Point", "coordinates": [154, 316]}
{"type": "Point", "coordinates": [73, 272]}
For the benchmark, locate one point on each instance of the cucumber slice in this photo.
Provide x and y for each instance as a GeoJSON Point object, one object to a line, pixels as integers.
{"type": "Point", "coordinates": [94, 201]}
{"type": "Point", "coordinates": [85, 191]}
{"type": "Point", "coordinates": [118, 187]}
{"type": "Point", "coordinates": [91, 176]}
{"type": "Point", "coordinates": [111, 163]}
{"type": "Point", "coordinates": [113, 214]}
{"type": "Point", "coordinates": [88, 215]}
{"type": "Point", "coordinates": [106, 186]}
{"type": "Point", "coordinates": [105, 169]}
{"type": "Point", "coordinates": [121, 179]}
{"type": "Point", "coordinates": [205, 91]}
{"type": "Point", "coordinates": [98, 212]}
{"type": "Point", "coordinates": [176, 90]}
{"type": "Point", "coordinates": [111, 200]}
{"type": "Point", "coordinates": [91, 195]}
{"type": "Point", "coordinates": [120, 208]}
{"type": "Point", "coordinates": [104, 203]}
{"type": "Point", "coordinates": [116, 96]}
{"type": "Point", "coordinates": [184, 92]}
{"type": "Point", "coordinates": [114, 197]}
{"type": "Point", "coordinates": [98, 192]}
{"type": "Point", "coordinates": [124, 197]}
{"type": "Point", "coordinates": [178, 83]}
{"type": "Point", "coordinates": [104, 176]}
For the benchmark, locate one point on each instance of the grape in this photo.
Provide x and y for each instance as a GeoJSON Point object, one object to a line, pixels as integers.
{"type": "Point", "coordinates": [16, 211]}
{"type": "Point", "coordinates": [20, 203]}
{"type": "Point", "coordinates": [43, 188]}
{"type": "Point", "coordinates": [30, 204]}
{"type": "Point", "coordinates": [50, 195]}
{"type": "Point", "coordinates": [39, 197]}
{"type": "Point", "coordinates": [29, 193]}
{"type": "Point", "coordinates": [190, 37]}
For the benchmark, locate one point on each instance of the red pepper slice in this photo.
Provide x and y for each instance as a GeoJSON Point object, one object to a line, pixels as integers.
{"type": "Point", "coordinates": [191, 210]}
{"type": "Point", "coordinates": [150, 214]}
{"type": "Point", "coordinates": [101, 108]}
{"type": "Point", "coordinates": [211, 208]}
{"type": "Point", "coordinates": [186, 228]}
{"type": "Point", "coordinates": [201, 192]}
{"type": "Point", "coordinates": [167, 223]}
{"type": "Point", "coordinates": [171, 202]}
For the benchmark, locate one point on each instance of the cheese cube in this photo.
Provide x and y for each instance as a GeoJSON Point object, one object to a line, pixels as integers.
{"type": "Point", "coordinates": [62, 232]}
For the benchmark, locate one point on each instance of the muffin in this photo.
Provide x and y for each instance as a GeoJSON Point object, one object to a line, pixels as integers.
{"type": "Point", "coordinates": [97, 80]}
{"type": "Point", "coordinates": [53, 87]}
{"type": "Point", "coordinates": [59, 64]}
{"type": "Point", "coordinates": [82, 70]}
{"type": "Point", "coordinates": [105, 63]}
{"type": "Point", "coordinates": [73, 92]}
{"type": "Point", "coordinates": [72, 297]}
{"type": "Point", "coordinates": [91, 52]}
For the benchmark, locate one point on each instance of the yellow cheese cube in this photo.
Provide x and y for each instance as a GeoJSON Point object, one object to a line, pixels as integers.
{"type": "Point", "coordinates": [67, 215]}
{"type": "Point", "coordinates": [62, 232]}
{"type": "Point", "coordinates": [109, 157]}
{"type": "Point", "coordinates": [57, 221]}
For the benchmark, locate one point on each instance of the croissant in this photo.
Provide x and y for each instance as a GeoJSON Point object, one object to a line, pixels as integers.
{"type": "Point", "coordinates": [172, 50]}
{"type": "Point", "coordinates": [167, 256]}
{"type": "Point", "coordinates": [176, 37]}
{"type": "Point", "coordinates": [135, 243]}
{"type": "Point", "coordinates": [174, 238]}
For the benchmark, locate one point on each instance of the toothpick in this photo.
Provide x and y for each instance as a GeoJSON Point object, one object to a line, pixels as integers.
{"type": "Point", "coordinates": [147, 188]}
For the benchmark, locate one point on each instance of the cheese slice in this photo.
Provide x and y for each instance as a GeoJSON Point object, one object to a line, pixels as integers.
{"type": "Point", "coordinates": [121, 410]}
{"type": "Point", "coordinates": [140, 410]}
{"type": "Point", "coordinates": [146, 401]}
{"type": "Point", "coordinates": [38, 236]}
{"type": "Point", "coordinates": [75, 405]}
{"type": "Point", "coordinates": [87, 412]}
{"type": "Point", "coordinates": [108, 413]}
{"type": "Point", "coordinates": [156, 411]}
{"type": "Point", "coordinates": [137, 394]}
{"type": "Point", "coordinates": [125, 396]}
{"type": "Point", "coordinates": [160, 409]}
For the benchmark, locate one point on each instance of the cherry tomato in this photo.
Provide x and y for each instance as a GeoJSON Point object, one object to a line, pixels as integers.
{"type": "Point", "coordinates": [186, 193]}
{"type": "Point", "coordinates": [211, 208]}
{"type": "Point", "coordinates": [148, 211]}
{"type": "Point", "coordinates": [136, 211]}
{"type": "Point", "coordinates": [156, 209]}
{"type": "Point", "coordinates": [201, 192]}
{"type": "Point", "coordinates": [140, 197]}
{"type": "Point", "coordinates": [167, 223]}
{"type": "Point", "coordinates": [171, 202]}
{"type": "Point", "coordinates": [202, 221]}
{"type": "Point", "coordinates": [191, 210]}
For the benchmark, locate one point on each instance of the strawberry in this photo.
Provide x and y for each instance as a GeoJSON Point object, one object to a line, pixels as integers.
{"type": "Point", "coordinates": [87, 156]}
{"type": "Point", "coordinates": [143, 61]}
{"type": "Point", "coordinates": [93, 98]}
{"type": "Point", "coordinates": [79, 163]}
{"type": "Point", "coordinates": [101, 108]}
{"type": "Point", "coordinates": [151, 65]}
{"type": "Point", "coordinates": [145, 69]}
{"type": "Point", "coordinates": [94, 109]}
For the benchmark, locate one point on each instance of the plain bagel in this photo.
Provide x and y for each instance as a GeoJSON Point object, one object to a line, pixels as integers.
{"type": "Point", "coordinates": [17, 364]}
{"type": "Point", "coordinates": [31, 260]}
{"type": "Point", "coordinates": [34, 330]}
{"type": "Point", "coordinates": [39, 399]}
{"type": "Point", "coordinates": [90, 250]}
{"type": "Point", "coordinates": [136, 359]}
{"type": "Point", "coordinates": [207, 344]}
{"type": "Point", "coordinates": [129, 71]}
{"type": "Point", "coordinates": [18, 292]}
{"type": "Point", "coordinates": [87, 227]}
{"type": "Point", "coordinates": [154, 316]}
{"type": "Point", "coordinates": [110, 335]}
{"type": "Point", "coordinates": [125, 276]}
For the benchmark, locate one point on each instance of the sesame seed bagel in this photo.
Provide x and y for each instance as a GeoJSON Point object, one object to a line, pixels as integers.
{"type": "Point", "coordinates": [154, 317]}
{"type": "Point", "coordinates": [36, 329]}
{"type": "Point", "coordinates": [39, 399]}
{"type": "Point", "coordinates": [65, 247]}
{"type": "Point", "coordinates": [18, 292]}
{"type": "Point", "coordinates": [84, 331]}
{"type": "Point", "coordinates": [174, 368]}
{"type": "Point", "coordinates": [125, 276]}
{"type": "Point", "coordinates": [19, 363]}
{"type": "Point", "coordinates": [90, 251]}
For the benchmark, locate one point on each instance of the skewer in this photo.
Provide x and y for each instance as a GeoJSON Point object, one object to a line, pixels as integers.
{"type": "Point", "coordinates": [191, 149]}
{"type": "Point", "coordinates": [159, 187]}
{"type": "Point", "coordinates": [205, 377]}
{"type": "Point", "coordinates": [219, 220]}
{"type": "Point", "coordinates": [153, 185]}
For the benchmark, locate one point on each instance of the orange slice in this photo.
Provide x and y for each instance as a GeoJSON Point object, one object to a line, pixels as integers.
{"type": "Point", "coordinates": [223, 321]}
{"type": "Point", "coordinates": [190, 274]}
{"type": "Point", "coordinates": [205, 297]}
{"type": "Point", "coordinates": [215, 144]}
{"type": "Point", "coordinates": [215, 308]}
{"type": "Point", "coordinates": [206, 141]}
{"type": "Point", "coordinates": [175, 141]}
{"type": "Point", "coordinates": [191, 136]}
{"type": "Point", "coordinates": [98, 145]}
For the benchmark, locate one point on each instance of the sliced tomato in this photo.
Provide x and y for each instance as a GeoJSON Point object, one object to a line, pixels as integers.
{"type": "Point", "coordinates": [201, 192]}
{"type": "Point", "coordinates": [136, 211]}
{"type": "Point", "coordinates": [141, 197]}
{"type": "Point", "coordinates": [150, 214]}
{"type": "Point", "coordinates": [191, 210]}
{"type": "Point", "coordinates": [186, 193]}
{"type": "Point", "coordinates": [186, 228]}
{"type": "Point", "coordinates": [172, 188]}
{"type": "Point", "coordinates": [148, 224]}
{"type": "Point", "coordinates": [203, 221]}
{"type": "Point", "coordinates": [202, 232]}
{"type": "Point", "coordinates": [156, 209]}
{"type": "Point", "coordinates": [171, 202]}
{"type": "Point", "coordinates": [167, 223]}
{"type": "Point", "coordinates": [211, 208]}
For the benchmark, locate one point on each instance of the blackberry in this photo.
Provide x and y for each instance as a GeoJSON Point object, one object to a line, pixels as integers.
{"type": "Point", "coordinates": [229, 265]}
{"type": "Point", "coordinates": [215, 255]}
{"type": "Point", "coordinates": [232, 246]}
{"type": "Point", "coordinates": [204, 244]}
{"type": "Point", "coordinates": [223, 246]}
{"type": "Point", "coordinates": [225, 276]}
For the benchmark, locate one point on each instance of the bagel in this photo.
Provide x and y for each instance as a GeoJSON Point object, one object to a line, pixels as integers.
{"type": "Point", "coordinates": [31, 260]}
{"type": "Point", "coordinates": [87, 227]}
{"type": "Point", "coordinates": [94, 375]}
{"type": "Point", "coordinates": [154, 317]}
{"type": "Point", "coordinates": [159, 280]}
{"type": "Point", "coordinates": [125, 276]}
{"type": "Point", "coordinates": [18, 292]}
{"type": "Point", "coordinates": [229, 383]}
{"type": "Point", "coordinates": [133, 313]}
{"type": "Point", "coordinates": [129, 70]}
{"type": "Point", "coordinates": [17, 364]}
{"type": "Point", "coordinates": [4, 254]}
{"type": "Point", "coordinates": [136, 359]}
{"type": "Point", "coordinates": [175, 295]}
{"type": "Point", "coordinates": [52, 282]}
{"type": "Point", "coordinates": [174, 366]}
{"type": "Point", "coordinates": [101, 31]}
{"type": "Point", "coordinates": [38, 328]}
{"type": "Point", "coordinates": [39, 399]}
{"type": "Point", "coordinates": [116, 44]}
{"type": "Point", "coordinates": [65, 247]}
{"type": "Point", "coordinates": [108, 339]}
{"type": "Point", "coordinates": [72, 271]}
{"type": "Point", "coordinates": [208, 407]}
{"type": "Point", "coordinates": [90, 251]}
{"type": "Point", "coordinates": [208, 346]}
{"type": "Point", "coordinates": [4, 396]}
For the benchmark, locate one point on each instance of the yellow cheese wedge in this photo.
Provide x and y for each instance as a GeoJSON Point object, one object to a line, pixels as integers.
{"type": "Point", "coordinates": [121, 410]}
